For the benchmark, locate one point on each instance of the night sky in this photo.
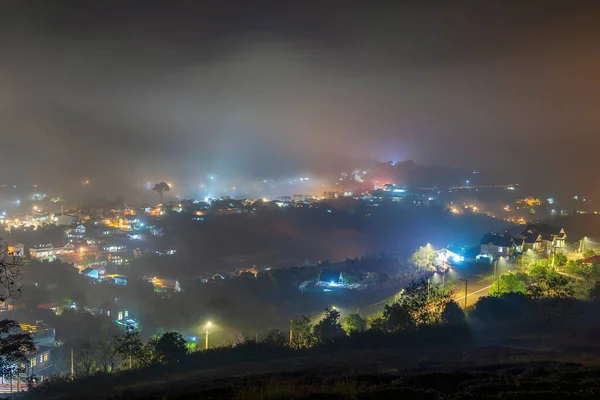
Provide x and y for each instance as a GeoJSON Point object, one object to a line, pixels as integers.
{"type": "Point", "coordinates": [123, 92]}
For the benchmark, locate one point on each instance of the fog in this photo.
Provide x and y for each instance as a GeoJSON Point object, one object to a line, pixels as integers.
{"type": "Point", "coordinates": [122, 95]}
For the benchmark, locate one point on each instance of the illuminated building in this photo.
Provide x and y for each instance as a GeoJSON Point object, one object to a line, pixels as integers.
{"type": "Point", "coordinates": [49, 252]}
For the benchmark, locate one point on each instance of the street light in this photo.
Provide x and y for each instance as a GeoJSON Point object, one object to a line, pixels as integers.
{"type": "Point", "coordinates": [208, 325]}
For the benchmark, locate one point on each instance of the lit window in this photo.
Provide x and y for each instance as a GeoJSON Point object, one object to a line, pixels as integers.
{"type": "Point", "coordinates": [45, 357]}
{"type": "Point", "coordinates": [500, 249]}
{"type": "Point", "coordinates": [41, 358]}
{"type": "Point", "coordinates": [108, 313]}
{"type": "Point", "coordinates": [120, 317]}
{"type": "Point", "coordinates": [32, 362]}
{"type": "Point", "coordinates": [126, 314]}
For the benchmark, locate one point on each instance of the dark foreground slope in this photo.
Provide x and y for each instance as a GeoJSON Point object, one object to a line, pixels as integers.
{"type": "Point", "coordinates": [465, 373]}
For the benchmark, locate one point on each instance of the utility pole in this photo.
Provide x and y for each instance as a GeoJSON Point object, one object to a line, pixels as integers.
{"type": "Point", "coordinates": [428, 288]}
{"type": "Point", "coordinates": [18, 377]}
{"type": "Point", "coordinates": [206, 342]}
{"type": "Point", "coordinates": [465, 281]}
{"type": "Point", "coordinates": [72, 364]}
{"type": "Point", "coordinates": [291, 333]}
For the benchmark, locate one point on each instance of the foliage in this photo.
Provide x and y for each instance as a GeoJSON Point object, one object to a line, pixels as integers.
{"type": "Point", "coordinates": [395, 318]}
{"type": "Point", "coordinates": [329, 327]}
{"type": "Point", "coordinates": [424, 257]}
{"type": "Point", "coordinates": [167, 348]}
{"type": "Point", "coordinates": [538, 270]}
{"type": "Point", "coordinates": [552, 285]}
{"type": "Point", "coordinates": [453, 314]}
{"type": "Point", "coordinates": [108, 355]}
{"type": "Point", "coordinates": [14, 347]}
{"type": "Point", "coordinates": [557, 260]}
{"type": "Point", "coordinates": [577, 267]}
{"type": "Point", "coordinates": [275, 338]}
{"type": "Point", "coordinates": [10, 272]}
{"type": "Point", "coordinates": [302, 333]}
{"type": "Point", "coordinates": [161, 188]}
{"type": "Point", "coordinates": [349, 279]}
{"type": "Point", "coordinates": [130, 346]}
{"type": "Point", "coordinates": [588, 253]}
{"type": "Point", "coordinates": [425, 301]}
{"type": "Point", "coordinates": [508, 283]}
{"type": "Point", "coordinates": [354, 323]}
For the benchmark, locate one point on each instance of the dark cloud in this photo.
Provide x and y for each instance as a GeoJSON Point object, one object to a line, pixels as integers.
{"type": "Point", "coordinates": [125, 92]}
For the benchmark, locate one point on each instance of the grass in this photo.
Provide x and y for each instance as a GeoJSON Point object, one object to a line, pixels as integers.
{"type": "Point", "coordinates": [467, 373]}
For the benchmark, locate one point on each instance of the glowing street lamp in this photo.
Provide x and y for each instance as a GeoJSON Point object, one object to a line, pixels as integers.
{"type": "Point", "coordinates": [208, 325]}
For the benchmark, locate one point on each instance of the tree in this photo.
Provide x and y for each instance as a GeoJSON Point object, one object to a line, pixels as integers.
{"type": "Point", "coordinates": [130, 346]}
{"type": "Point", "coordinates": [161, 188]}
{"type": "Point", "coordinates": [424, 257]}
{"type": "Point", "coordinates": [10, 272]}
{"type": "Point", "coordinates": [453, 314]}
{"type": "Point", "coordinates": [108, 354]}
{"type": "Point", "coordinates": [425, 301]}
{"type": "Point", "coordinates": [588, 253]}
{"type": "Point", "coordinates": [15, 346]}
{"type": "Point", "coordinates": [275, 338]}
{"type": "Point", "coordinates": [168, 348]}
{"type": "Point", "coordinates": [507, 283]}
{"type": "Point", "coordinates": [557, 260]}
{"type": "Point", "coordinates": [329, 327]}
{"type": "Point", "coordinates": [577, 267]}
{"type": "Point", "coordinates": [302, 333]}
{"type": "Point", "coordinates": [539, 270]}
{"type": "Point", "coordinates": [85, 360]}
{"type": "Point", "coordinates": [354, 323]}
{"type": "Point", "coordinates": [395, 318]}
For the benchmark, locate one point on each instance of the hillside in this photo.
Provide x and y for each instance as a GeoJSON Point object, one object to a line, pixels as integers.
{"type": "Point", "coordinates": [455, 372]}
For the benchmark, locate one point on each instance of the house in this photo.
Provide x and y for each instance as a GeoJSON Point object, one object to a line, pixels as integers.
{"type": "Point", "coordinates": [592, 260]}
{"type": "Point", "coordinates": [95, 272]}
{"type": "Point", "coordinates": [43, 252]}
{"type": "Point", "coordinates": [162, 285]}
{"type": "Point", "coordinates": [458, 254]}
{"type": "Point", "coordinates": [16, 249]}
{"type": "Point", "coordinates": [77, 233]}
{"type": "Point", "coordinates": [119, 314]}
{"type": "Point", "coordinates": [41, 363]}
{"type": "Point", "coordinates": [43, 335]}
{"type": "Point", "coordinates": [548, 238]}
{"type": "Point", "coordinates": [330, 277]}
{"type": "Point", "coordinates": [116, 279]}
{"type": "Point", "coordinates": [494, 246]}
{"type": "Point", "coordinates": [61, 219]}
{"type": "Point", "coordinates": [49, 252]}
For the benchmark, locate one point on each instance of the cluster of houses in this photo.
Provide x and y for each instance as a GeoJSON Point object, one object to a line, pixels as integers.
{"type": "Point", "coordinates": [539, 238]}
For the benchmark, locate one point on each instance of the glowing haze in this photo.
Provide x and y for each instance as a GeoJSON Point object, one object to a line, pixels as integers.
{"type": "Point", "coordinates": [122, 94]}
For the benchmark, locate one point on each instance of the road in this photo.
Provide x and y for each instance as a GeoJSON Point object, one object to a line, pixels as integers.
{"type": "Point", "coordinates": [479, 281]}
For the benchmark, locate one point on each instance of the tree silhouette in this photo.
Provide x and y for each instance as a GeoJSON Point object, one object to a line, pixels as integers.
{"type": "Point", "coordinates": [10, 274]}
{"type": "Point", "coordinates": [161, 188]}
{"type": "Point", "coordinates": [355, 323]}
{"type": "Point", "coordinates": [168, 348]}
{"type": "Point", "coordinates": [15, 345]}
{"type": "Point", "coordinates": [329, 327]}
{"type": "Point", "coordinates": [395, 318]}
